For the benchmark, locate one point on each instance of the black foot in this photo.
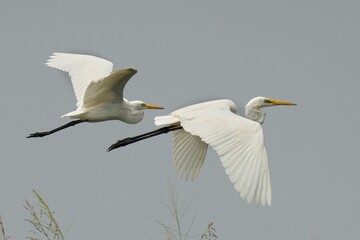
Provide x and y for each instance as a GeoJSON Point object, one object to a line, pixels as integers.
{"type": "Point", "coordinates": [120, 143]}
{"type": "Point", "coordinates": [38, 134]}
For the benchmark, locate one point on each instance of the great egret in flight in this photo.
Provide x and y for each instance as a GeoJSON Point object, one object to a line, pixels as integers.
{"type": "Point", "coordinates": [239, 142]}
{"type": "Point", "coordinates": [98, 90]}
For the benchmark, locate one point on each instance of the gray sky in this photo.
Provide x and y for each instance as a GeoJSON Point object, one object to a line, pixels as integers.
{"type": "Point", "coordinates": [186, 52]}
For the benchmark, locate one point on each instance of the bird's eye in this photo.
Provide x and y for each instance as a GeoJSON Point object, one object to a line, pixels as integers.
{"type": "Point", "coordinates": [267, 100]}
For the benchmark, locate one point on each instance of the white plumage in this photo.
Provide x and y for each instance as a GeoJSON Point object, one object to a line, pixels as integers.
{"type": "Point", "coordinates": [98, 90]}
{"type": "Point", "coordinates": [82, 69]}
{"type": "Point", "coordinates": [238, 141]}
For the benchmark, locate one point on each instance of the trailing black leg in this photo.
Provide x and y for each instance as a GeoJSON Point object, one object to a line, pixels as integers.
{"type": "Point", "coordinates": [42, 134]}
{"type": "Point", "coordinates": [130, 140]}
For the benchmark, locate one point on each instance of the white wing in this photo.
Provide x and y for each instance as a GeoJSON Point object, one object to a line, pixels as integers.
{"type": "Point", "coordinates": [189, 152]}
{"type": "Point", "coordinates": [239, 142]}
{"type": "Point", "coordinates": [109, 89]}
{"type": "Point", "coordinates": [83, 69]}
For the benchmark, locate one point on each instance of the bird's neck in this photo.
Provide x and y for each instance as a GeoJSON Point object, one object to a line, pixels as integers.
{"type": "Point", "coordinates": [135, 114]}
{"type": "Point", "coordinates": [255, 114]}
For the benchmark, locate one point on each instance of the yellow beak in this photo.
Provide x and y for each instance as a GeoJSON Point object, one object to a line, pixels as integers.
{"type": "Point", "coordinates": [150, 106]}
{"type": "Point", "coordinates": [280, 102]}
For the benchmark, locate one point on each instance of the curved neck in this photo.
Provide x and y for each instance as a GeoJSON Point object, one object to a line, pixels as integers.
{"type": "Point", "coordinates": [134, 112]}
{"type": "Point", "coordinates": [137, 115]}
{"type": "Point", "coordinates": [255, 113]}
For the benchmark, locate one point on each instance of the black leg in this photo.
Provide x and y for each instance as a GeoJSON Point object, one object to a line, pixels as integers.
{"type": "Point", "coordinates": [130, 140]}
{"type": "Point", "coordinates": [42, 134]}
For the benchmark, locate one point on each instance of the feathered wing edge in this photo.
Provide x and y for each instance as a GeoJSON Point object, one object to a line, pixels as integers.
{"type": "Point", "coordinates": [82, 69]}
{"type": "Point", "coordinates": [109, 89]}
{"type": "Point", "coordinates": [239, 143]}
{"type": "Point", "coordinates": [189, 152]}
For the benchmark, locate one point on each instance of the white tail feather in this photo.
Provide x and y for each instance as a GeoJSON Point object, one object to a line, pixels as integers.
{"type": "Point", "coordinates": [73, 114]}
{"type": "Point", "coordinates": [165, 120]}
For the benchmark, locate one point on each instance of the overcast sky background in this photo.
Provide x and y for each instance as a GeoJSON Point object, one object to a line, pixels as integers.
{"type": "Point", "coordinates": [185, 52]}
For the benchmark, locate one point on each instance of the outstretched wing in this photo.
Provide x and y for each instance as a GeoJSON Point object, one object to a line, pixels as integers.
{"type": "Point", "coordinates": [109, 89]}
{"type": "Point", "coordinates": [189, 152]}
{"type": "Point", "coordinates": [83, 69]}
{"type": "Point", "coordinates": [239, 142]}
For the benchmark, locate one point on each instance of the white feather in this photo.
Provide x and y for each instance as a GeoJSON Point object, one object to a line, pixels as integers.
{"type": "Point", "coordinates": [238, 141]}
{"type": "Point", "coordinates": [188, 154]}
{"type": "Point", "coordinates": [83, 69]}
{"type": "Point", "coordinates": [166, 120]}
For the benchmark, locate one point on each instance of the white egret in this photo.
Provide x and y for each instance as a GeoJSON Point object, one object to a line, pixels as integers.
{"type": "Point", "coordinates": [98, 90]}
{"type": "Point", "coordinates": [239, 142]}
